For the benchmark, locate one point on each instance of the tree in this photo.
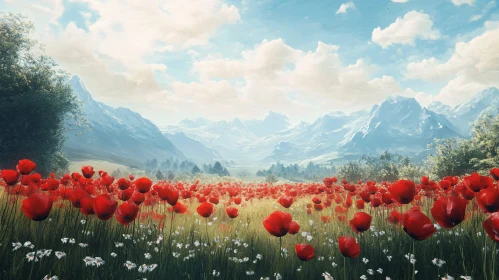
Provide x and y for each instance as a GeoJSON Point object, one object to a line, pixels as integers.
{"type": "Point", "coordinates": [352, 171]}
{"type": "Point", "coordinates": [454, 157]}
{"type": "Point", "coordinates": [35, 100]}
{"type": "Point", "coordinates": [195, 170]}
{"type": "Point", "coordinates": [485, 136]}
{"type": "Point", "coordinates": [219, 170]}
{"type": "Point", "coordinates": [159, 175]}
{"type": "Point", "coordinates": [271, 178]}
{"type": "Point", "coordinates": [171, 176]}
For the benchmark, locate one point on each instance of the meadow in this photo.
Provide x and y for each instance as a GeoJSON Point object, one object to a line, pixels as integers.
{"type": "Point", "coordinates": [88, 225]}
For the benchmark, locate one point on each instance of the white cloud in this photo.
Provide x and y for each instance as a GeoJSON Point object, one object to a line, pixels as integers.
{"type": "Point", "coordinates": [344, 7]}
{"type": "Point", "coordinates": [462, 2]}
{"type": "Point", "coordinates": [272, 69]}
{"type": "Point", "coordinates": [43, 13]}
{"type": "Point", "coordinates": [476, 17]}
{"type": "Point", "coordinates": [112, 55]}
{"type": "Point", "coordinates": [473, 66]}
{"type": "Point", "coordinates": [405, 30]}
{"type": "Point", "coordinates": [400, 1]}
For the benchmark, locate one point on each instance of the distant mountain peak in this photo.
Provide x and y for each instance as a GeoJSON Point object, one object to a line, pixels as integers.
{"type": "Point", "coordinates": [466, 113]}
{"type": "Point", "coordinates": [491, 92]}
{"type": "Point", "coordinates": [401, 99]}
{"type": "Point", "coordinates": [79, 89]}
{"type": "Point", "coordinates": [119, 135]}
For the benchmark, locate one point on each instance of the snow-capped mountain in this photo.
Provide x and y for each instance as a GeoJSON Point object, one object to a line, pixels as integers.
{"type": "Point", "coordinates": [192, 149]}
{"type": "Point", "coordinates": [119, 135]}
{"type": "Point", "coordinates": [271, 123]}
{"type": "Point", "coordinates": [466, 113]}
{"type": "Point", "coordinates": [399, 124]}
{"type": "Point", "coordinates": [228, 138]}
{"type": "Point", "coordinates": [441, 108]}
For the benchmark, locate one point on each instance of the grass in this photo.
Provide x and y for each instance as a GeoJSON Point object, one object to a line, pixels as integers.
{"type": "Point", "coordinates": [230, 246]}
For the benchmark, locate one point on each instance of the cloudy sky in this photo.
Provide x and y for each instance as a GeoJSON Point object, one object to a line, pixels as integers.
{"type": "Point", "coordinates": [176, 59]}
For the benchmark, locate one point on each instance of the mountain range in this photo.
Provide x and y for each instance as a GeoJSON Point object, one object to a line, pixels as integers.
{"type": "Point", "coordinates": [398, 124]}
{"type": "Point", "coordinates": [115, 134]}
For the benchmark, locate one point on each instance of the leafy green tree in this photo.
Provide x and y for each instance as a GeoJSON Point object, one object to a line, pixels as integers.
{"type": "Point", "coordinates": [352, 171]}
{"type": "Point", "coordinates": [271, 178]}
{"type": "Point", "coordinates": [454, 157]}
{"type": "Point", "coordinates": [35, 100]}
{"type": "Point", "coordinates": [219, 169]}
{"type": "Point", "coordinates": [485, 136]}
{"type": "Point", "coordinates": [195, 170]}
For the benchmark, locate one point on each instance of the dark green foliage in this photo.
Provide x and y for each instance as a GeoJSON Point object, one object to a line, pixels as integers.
{"type": "Point", "coordinates": [295, 172]}
{"type": "Point", "coordinates": [196, 170]}
{"type": "Point", "coordinates": [457, 157]}
{"type": "Point", "coordinates": [385, 167]}
{"type": "Point", "coordinates": [35, 99]}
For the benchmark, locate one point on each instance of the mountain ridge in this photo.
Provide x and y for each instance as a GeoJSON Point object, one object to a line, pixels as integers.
{"type": "Point", "coordinates": [117, 134]}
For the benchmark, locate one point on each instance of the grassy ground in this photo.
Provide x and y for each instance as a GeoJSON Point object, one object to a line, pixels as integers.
{"type": "Point", "coordinates": [222, 248]}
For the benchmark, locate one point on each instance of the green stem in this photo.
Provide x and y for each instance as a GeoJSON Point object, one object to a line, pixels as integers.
{"type": "Point", "coordinates": [414, 264]}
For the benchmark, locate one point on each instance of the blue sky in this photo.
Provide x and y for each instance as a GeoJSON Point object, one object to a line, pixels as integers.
{"type": "Point", "coordinates": [224, 59]}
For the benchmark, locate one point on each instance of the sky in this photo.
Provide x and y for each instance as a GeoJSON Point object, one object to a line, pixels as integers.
{"type": "Point", "coordinates": [220, 59]}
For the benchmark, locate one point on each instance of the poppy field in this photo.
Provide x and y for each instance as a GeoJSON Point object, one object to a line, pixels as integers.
{"type": "Point", "coordinates": [89, 225]}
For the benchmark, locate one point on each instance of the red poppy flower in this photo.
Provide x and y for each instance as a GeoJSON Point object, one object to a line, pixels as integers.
{"type": "Point", "coordinates": [232, 212]}
{"type": "Point", "coordinates": [316, 200]}
{"type": "Point", "coordinates": [138, 198]}
{"type": "Point", "coordinates": [10, 176]}
{"type": "Point", "coordinates": [277, 223]}
{"type": "Point", "coordinates": [359, 204]}
{"type": "Point", "coordinates": [87, 171]}
{"type": "Point", "coordinates": [76, 196]}
{"type": "Point", "coordinates": [125, 194]}
{"type": "Point", "coordinates": [126, 213]}
{"type": "Point", "coordinates": [35, 177]}
{"type": "Point", "coordinates": [214, 199]}
{"type": "Point", "coordinates": [304, 252]}
{"type": "Point", "coordinates": [417, 225]}
{"type": "Point", "coordinates": [475, 182]}
{"type": "Point", "coordinates": [37, 206]}
{"type": "Point", "coordinates": [387, 198]}
{"type": "Point", "coordinates": [494, 172]}
{"type": "Point", "coordinates": [169, 194]}
{"type": "Point", "coordinates": [205, 209]}
{"type": "Point", "coordinates": [179, 208]}
{"type": "Point", "coordinates": [488, 200]}
{"type": "Point", "coordinates": [87, 205]}
{"type": "Point", "coordinates": [449, 211]}
{"type": "Point", "coordinates": [425, 180]}
{"type": "Point", "coordinates": [237, 200]}
{"type": "Point", "coordinates": [361, 222]}
{"type": "Point", "coordinates": [294, 227]}
{"type": "Point", "coordinates": [403, 191]}
{"type": "Point", "coordinates": [348, 246]}
{"type": "Point", "coordinates": [395, 217]}
{"type": "Point", "coordinates": [104, 206]}
{"type": "Point", "coordinates": [25, 166]}
{"type": "Point", "coordinates": [318, 207]}
{"type": "Point", "coordinates": [143, 184]}
{"type": "Point", "coordinates": [286, 201]}
{"type": "Point", "coordinates": [375, 202]}
{"type": "Point", "coordinates": [52, 184]}
{"type": "Point", "coordinates": [491, 226]}
{"type": "Point", "coordinates": [123, 183]}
